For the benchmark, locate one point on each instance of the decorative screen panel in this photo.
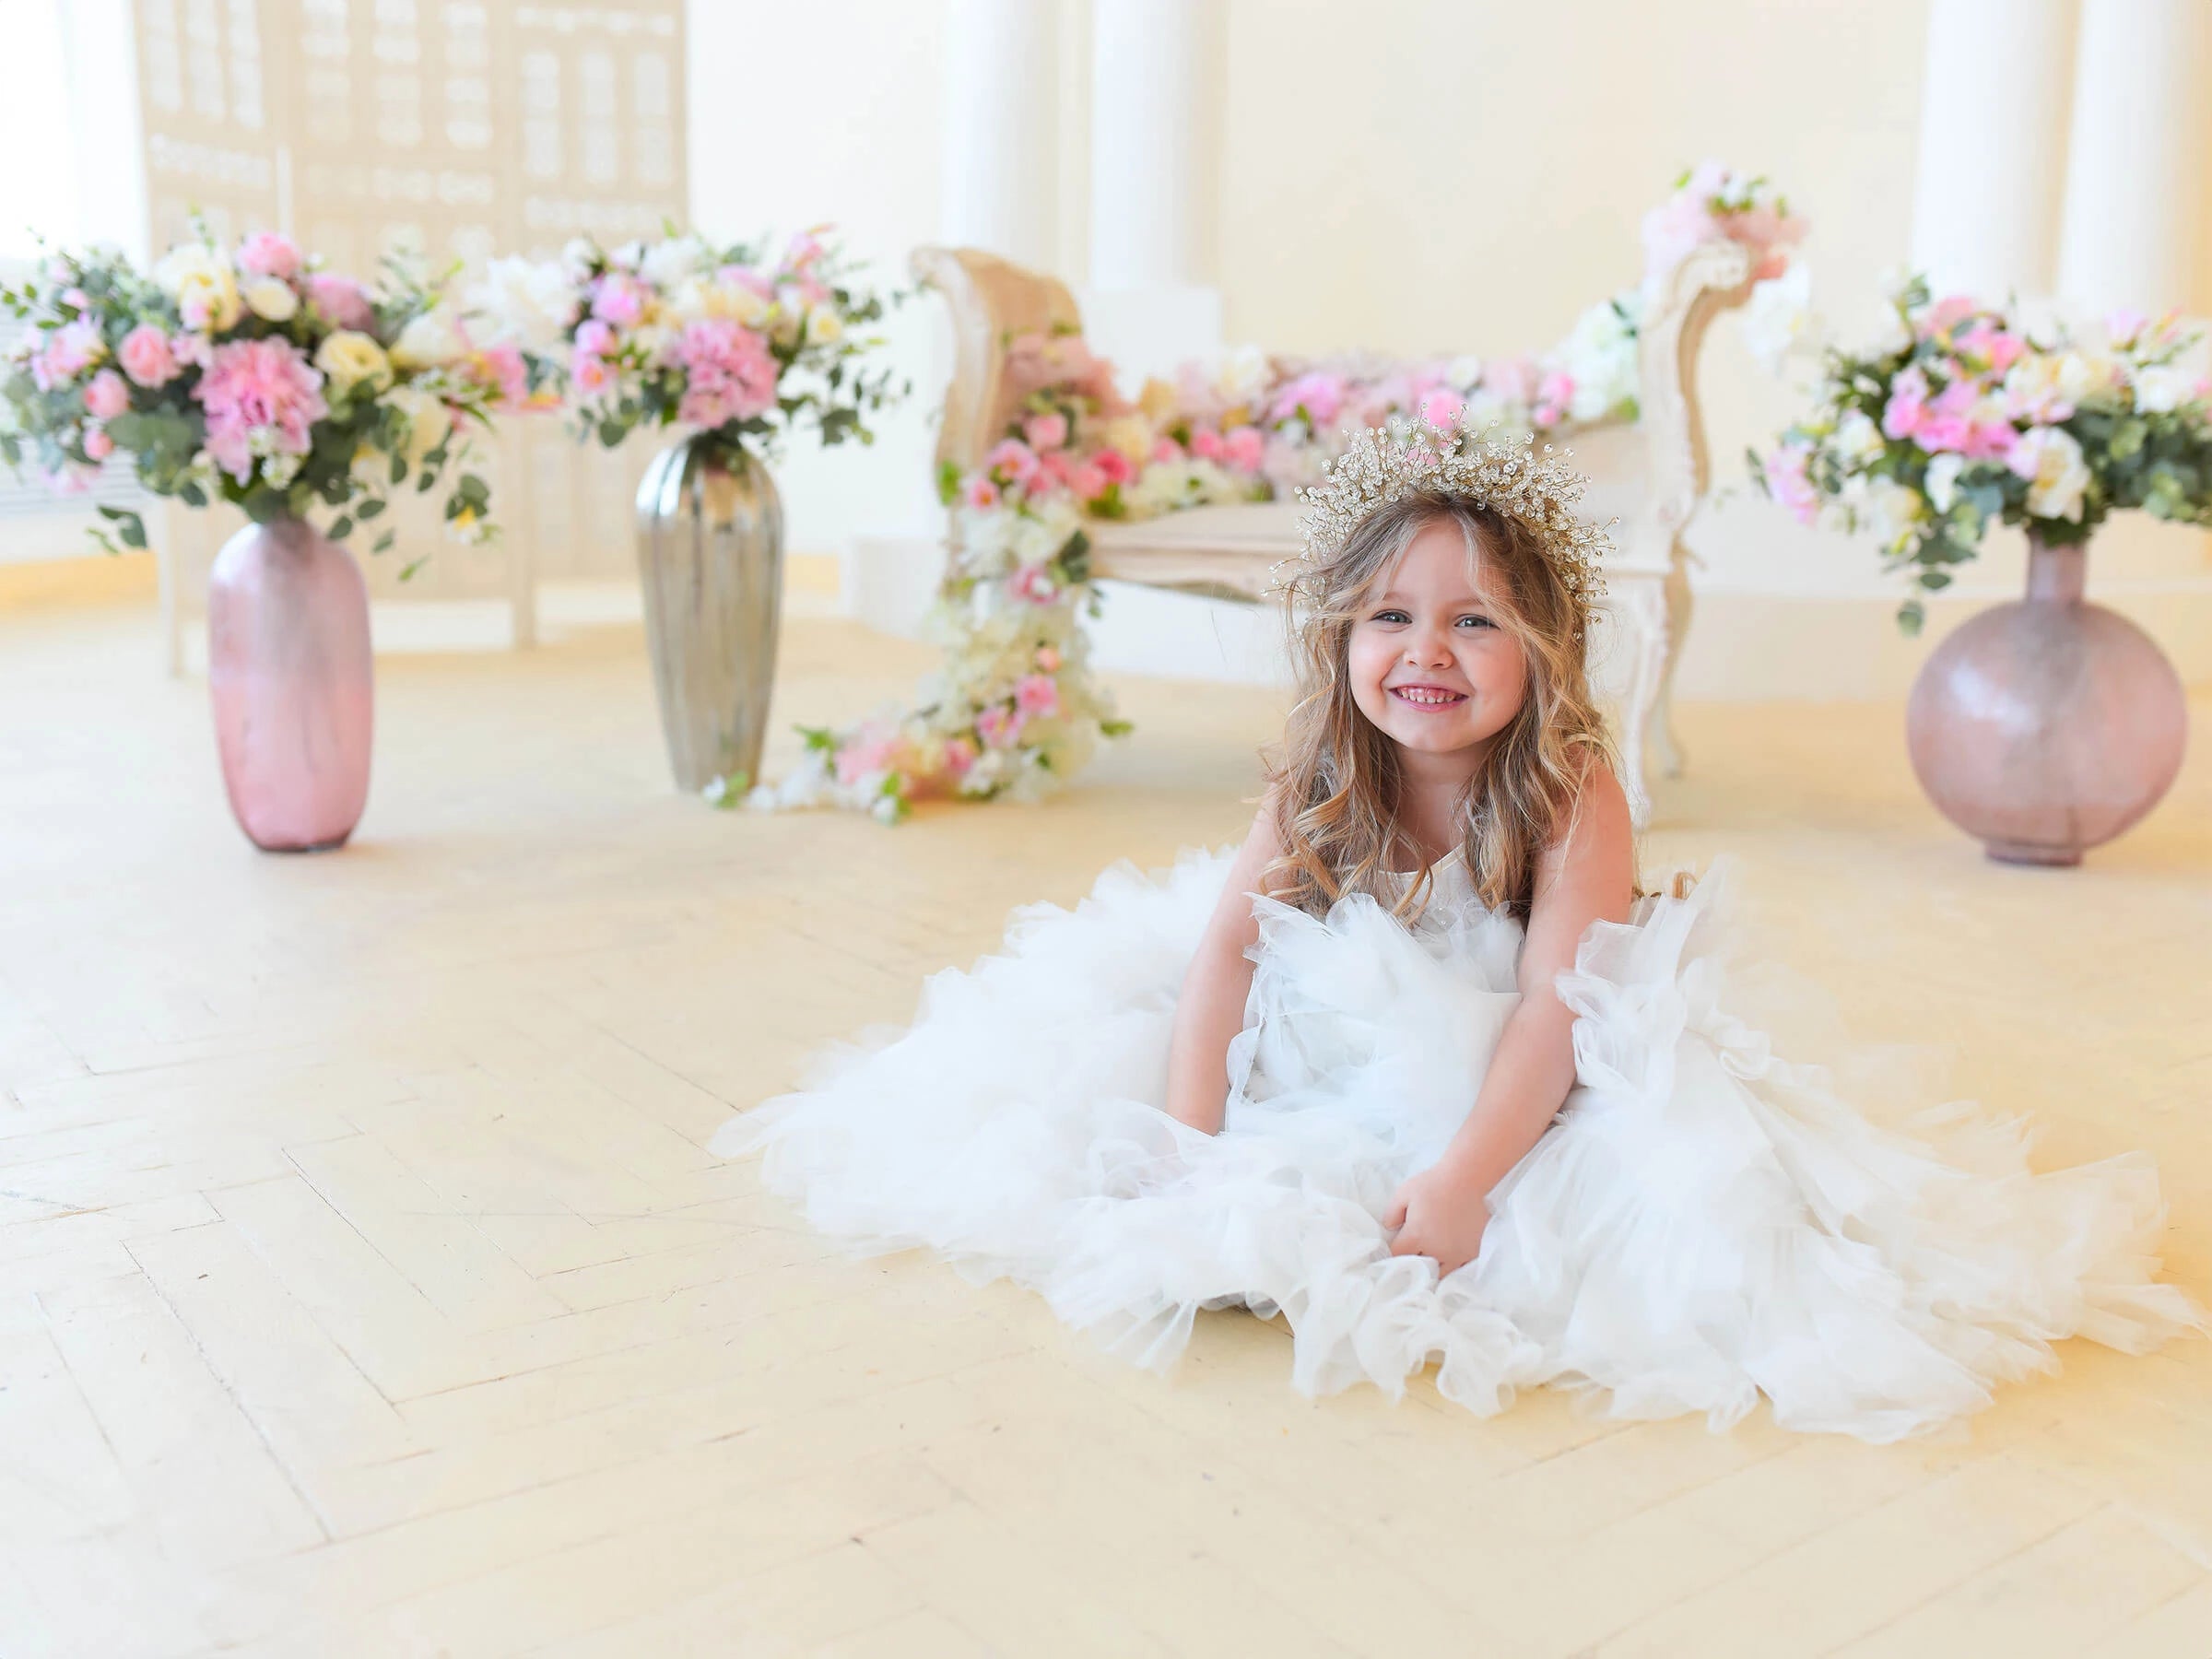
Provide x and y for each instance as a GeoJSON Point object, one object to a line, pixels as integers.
{"type": "Point", "coordinates": [451, 129]}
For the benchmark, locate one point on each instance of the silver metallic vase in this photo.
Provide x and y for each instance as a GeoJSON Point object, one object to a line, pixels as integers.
{"type": "Point", "coordinates": [711, 556]}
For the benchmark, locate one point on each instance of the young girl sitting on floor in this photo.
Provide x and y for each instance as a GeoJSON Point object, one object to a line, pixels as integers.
{"type": "Point", "coordinates": [1418, 1068]}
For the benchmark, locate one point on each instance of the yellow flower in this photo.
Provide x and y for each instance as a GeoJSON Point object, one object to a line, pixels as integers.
{"type": "Point", "coordinates": [1157, 400]}
{"type": "Point", "coordinates": [349, 358]}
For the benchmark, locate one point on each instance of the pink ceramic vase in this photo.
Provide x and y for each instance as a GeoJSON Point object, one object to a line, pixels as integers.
{"type": "Point", "coordinates": [289, 666]}
{"type": "Point", "coordinates": [2049, 725]}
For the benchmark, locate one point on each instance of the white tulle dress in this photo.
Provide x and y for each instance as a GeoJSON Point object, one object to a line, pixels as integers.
{"type": "Point", "coordinates": [1704, 1223]}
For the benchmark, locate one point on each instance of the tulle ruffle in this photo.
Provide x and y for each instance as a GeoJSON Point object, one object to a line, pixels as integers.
{"type": "Point", "coordinates": [1706, 1222]}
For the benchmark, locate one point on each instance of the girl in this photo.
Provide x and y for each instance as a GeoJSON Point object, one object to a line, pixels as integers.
{"type": "Point", "coordinates": [1418, 1069]}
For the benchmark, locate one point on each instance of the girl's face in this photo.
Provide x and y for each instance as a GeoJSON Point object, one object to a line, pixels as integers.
{"type": "Point", "coordinates": [1431, 662]}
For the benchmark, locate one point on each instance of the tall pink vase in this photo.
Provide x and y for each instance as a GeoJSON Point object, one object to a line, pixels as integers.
{"type": "Point", "coordinates": [2048, 725]}
{"type": "Point", "coordinates": [294, 685]}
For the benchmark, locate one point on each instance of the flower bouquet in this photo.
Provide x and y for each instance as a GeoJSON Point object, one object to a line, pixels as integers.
{"type": "Point", "coordinates": [1965, 414]}
{"type": "Point", "coordinates": [246, 374]}
{"type": "Point", "coordinates": [740, 345]}
{"type": "Point", "coordinates": [2050, 725]}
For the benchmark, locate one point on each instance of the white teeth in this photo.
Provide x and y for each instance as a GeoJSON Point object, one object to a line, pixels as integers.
{"type": "Point", "coordinates": [1426, 696]}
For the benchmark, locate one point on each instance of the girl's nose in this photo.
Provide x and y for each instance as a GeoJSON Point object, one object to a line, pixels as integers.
{"type": "Point", "coordinates": [1426, 649]}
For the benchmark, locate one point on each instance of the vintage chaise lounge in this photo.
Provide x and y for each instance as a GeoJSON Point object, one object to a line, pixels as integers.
{"type": "Point", "coordinates": [1650, 476]}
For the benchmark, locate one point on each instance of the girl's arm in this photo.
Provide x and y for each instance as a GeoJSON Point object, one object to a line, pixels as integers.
{"type": "Point", "coordinates": [1588, 877]}
{"type": "Point", "coordinates": [1210, 1010]}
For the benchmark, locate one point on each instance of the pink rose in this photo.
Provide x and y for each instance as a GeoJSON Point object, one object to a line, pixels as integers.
{"type": "Point", "coordinates": [500, 369]}
{"type": "Point", "coordinates": [998, 727]}
{"type": "Point", "coordinates": [1034, 583]}
{"type": "Point", "coordinates": [342, 300]}
{"type": "Point", "coordinates": [1317, 396]}
{"type": "Point", "coordinates": [1048, 660]}
{"type": "Point", "coordinates": [195, 349]}
{"type": "Point", "coordinates": [959, 757]}
{"type": "Point", "coordinates": [107, 396]}
{"type": "Point", "coordinates": [1907, 405]}
{"type": "Point", "coordinates": [70, 350]}
{"type": "Point", "coordinates": [1113, 466]}
{"type": "Point", "coordinates": [265, 254]}
{"type": "Point", "coordinates": [1045, 432]}
{"type": "Point", "coordinates": [868, 752]}
{"type": "Point", "coordinates": [1945, 313]}
{"type": "Point", "coordinates": [1011, 461]}
{"type": "Point", "coordinates": [979, 492]}
{"type": "Point", "coordinates": [619, 299]}
{"type": "Point", "coordinates": [1784, 471]}
{"type": "Point", "coordinates": [595, 336]}
{"type": "Point", "coordinates": [1993, 347]}
{"type": "Point", "coordinates": [98, 444]}
{"type": "Point", "coordinates": [1206, 445]}
{"type": "Point", "coordinates": [589, 373]}
{"type": "Point", "coordinates": [1514, 380]}
{"type": "Point", "coordinates": [1244, 448]}
{"type": "Point", "coordinates": [145, 356]}
{"type": "Point", "coordinates": [1087, 482]}
{"type": "Point", "coordinates": [1167, 450]}
{"type": "Point", "coordinates": [1037, 696]}
{"type": "Point", "coordinates": [1441, 409]}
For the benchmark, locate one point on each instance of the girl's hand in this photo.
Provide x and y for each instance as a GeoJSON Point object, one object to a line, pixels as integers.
{"type": "Point", "coordinates": [1435, 1213]}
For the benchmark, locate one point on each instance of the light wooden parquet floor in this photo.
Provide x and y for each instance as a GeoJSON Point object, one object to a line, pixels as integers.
{"type": "Point", "coordinates": [365, 1286]}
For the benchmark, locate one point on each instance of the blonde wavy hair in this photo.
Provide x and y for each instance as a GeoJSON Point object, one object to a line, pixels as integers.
{"type": "Point", "coordinates": [1334, 782]}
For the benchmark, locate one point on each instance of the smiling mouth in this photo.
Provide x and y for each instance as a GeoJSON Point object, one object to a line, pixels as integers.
{"type": "Point", "coordinates": [1427, 697]}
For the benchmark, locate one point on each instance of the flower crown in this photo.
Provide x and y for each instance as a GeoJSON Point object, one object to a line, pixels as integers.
{"type": "Point", "coordinates": [1508, 476]}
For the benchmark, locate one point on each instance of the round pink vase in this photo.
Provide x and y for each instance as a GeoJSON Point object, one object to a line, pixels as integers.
{"type": "Point", "coordinates": [294, 686]}
{"type": "Point", "coordinates": [2049, 725]}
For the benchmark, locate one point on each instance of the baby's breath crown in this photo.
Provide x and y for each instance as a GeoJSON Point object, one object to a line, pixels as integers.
{"type": "Point", "coordinates": [1508, 476]}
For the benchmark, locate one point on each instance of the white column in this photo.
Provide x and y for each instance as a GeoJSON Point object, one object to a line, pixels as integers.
{"type": "Point", "coordinates": [2136, 175]}
{"type": "Point", "coordinates": [1001, 128]}
{"type": "Point", "coordinates": [1993, 136]}
{"type": "Point", "coordinates": [1155, 118]}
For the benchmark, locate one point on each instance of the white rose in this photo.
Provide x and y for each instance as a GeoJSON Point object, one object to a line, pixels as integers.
{"type": "Point", "coordinates": [2057, 476]}
{"type": "Point", "coordinates": [628, 257]}
{"type": "Point", "coordinates": [1942, 481]}
{"type": "Point", "coordinates": [429, 422]}
{"type": "Point", "coordinates": [2163, 389]}
{"type": "Point", "coordinates": [527, 302]}
{"type": "Point", "coordinates": [199, 279]}
{"type": "Point", "coordinates": [349, 358]}
{"type": "Point", "coordinates": [270, 298]}
{"type": "Point", "coordinates": [667, 263]}
{"type": "Point", "coordinates": [824, 326]}
{"type": "Point", "coordinates": [652, 337]}
{"type": "Point", "coordinates": [1895, 510]}
{"type": "Point", "coordinates": [2082, 375]}
{"type": "Point", "coordinates": [429, 341]}
{"type": "Point", "coordinates": [1245, 372]}
{"type": "Point", "coordinates": [1599, 356]}
{"type": "Point", "coordinates": [1857, 441]}
{"type": "Point", "coordinates": [1779, 321]}
{"type": "Point", "coordinates": [577, 256]}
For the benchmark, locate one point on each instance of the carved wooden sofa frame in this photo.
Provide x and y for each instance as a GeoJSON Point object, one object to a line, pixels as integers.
{"type": "Point", "coordinates": [1651, 476]}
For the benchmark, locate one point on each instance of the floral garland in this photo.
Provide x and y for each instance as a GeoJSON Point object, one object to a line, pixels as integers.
{"type": "Point", "coordinates": [1014, 711]}
{"type": "Point", "coordinates": [250, 375]}
{"type": "Point", "coordinates": [1965, 412]}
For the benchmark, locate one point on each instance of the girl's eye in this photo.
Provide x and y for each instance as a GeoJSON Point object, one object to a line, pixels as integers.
{"type": "Point", "coordinates": [1392, 616]}
{"type": "Point", "coordinates": [1476, 621]}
